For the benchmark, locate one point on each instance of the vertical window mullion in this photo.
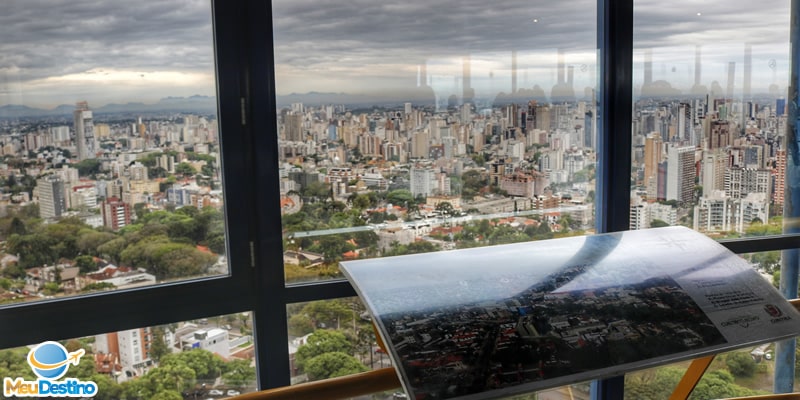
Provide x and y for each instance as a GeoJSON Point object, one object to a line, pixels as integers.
{"type": "Point", "coordinates": [615, 104]}
{"type": "Point", "coordinates": [790, 264]}
{"type": "Point", "coordinates": [258, 112]}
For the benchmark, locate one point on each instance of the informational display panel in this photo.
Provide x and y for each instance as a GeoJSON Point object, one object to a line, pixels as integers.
{"type": "Point", "coordinates": [493, 321]}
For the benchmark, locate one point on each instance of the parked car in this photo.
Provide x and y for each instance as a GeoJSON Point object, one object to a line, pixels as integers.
{"type": "Point", "coordinates": [233, 392]}
{"type": "Point", "coordinates": [215, 392]}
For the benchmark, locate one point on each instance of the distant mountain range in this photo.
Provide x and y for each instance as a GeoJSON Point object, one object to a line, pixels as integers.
{"type": "Point", "coordinates": [208, 104]}
{"type": "Point", "coordinates": [194, 104]}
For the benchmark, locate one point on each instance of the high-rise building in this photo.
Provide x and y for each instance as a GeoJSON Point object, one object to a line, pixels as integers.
{"type": "Point", "coordinates": [420, 145]}
{"type": "Point", "coordinates": [779, 177]}
{"type": "Point", "coordinates": [780, 107]}
{"type": "Point", "coordinates": [137, 171]}
{"type": "Point", "coordinates": [60, 134]}
{"type": "Point", "coordinates": [684, 121]}
{"type": "Point", "coordinates": [423, 181]}
{"type": "Point", "coordinates": [638, 214]}
{"type": "Point", "coordinates": [739, 182]}
{"type": "Point", "coordinates": [680, 174]}
{"type": "Point", "coordinates": [720, 135]}
{"type": "Point", "coordinates": [131, 347]}
{"type": "Point", "coordinates": [84, 131]}
{"type": "Point", "coordinates": [713, 170]}
{"type": "Point", "coordinates": [102, 130]}
{"type": "Point", "coordinates": [52, 202]}
{"type": "Point", "coordinates": [116, 213]}
{"type": "Point", "coordinates": [293, 127]}
{"type": "Point", "coordinates": [653, 149]}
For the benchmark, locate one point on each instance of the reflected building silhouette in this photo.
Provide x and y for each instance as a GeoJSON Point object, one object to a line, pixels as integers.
{"type": "Point", "coordinates": [652, 88]}
{"type": "Point", "coordinates": [468, 93]}
{"type": "Point", "coordinates": [563, 89]}
{"type": "Point", "coordinates": [698, 89]}
{"type": "Point", "coordinates": [423, 94]}
{"type": "Point", "coordinates": [519, 96]}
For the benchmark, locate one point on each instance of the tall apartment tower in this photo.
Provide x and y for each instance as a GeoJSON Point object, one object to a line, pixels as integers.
{"type": "Point", "coordinates": [293, 127]}
{"type": "Point", "coordinates": [52, 202]}
{"type": "Point", "coordinates": [423, 181]}
{"type": "Point", "coordinates": [84, 131]}
{"type": "Point", "coordinates": [779, 177]}
{"type": "Point", "coordinates": [680, 174]}
{"type": "Point", "coordinates": [652, 157]}
{"type": "Point", "coordinates": [684, 122]}
{"type": "Point", "coordinates": [713, 170]}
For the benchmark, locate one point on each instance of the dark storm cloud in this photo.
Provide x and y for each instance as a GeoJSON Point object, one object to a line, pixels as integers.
{"type": "Point", "coordinates": [661, 23]}
{"type": "Point", "coordinates": [42, 39]}
{"type": "Point", "coordinates": [425, 29]}
{"type": "Point", "coordinates": [319, 43]}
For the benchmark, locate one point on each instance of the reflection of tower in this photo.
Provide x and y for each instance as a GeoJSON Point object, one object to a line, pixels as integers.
{"type": "Point", "coordinates": [570, 75]}
{"type": "Point", "coordinates": [648, 89]}
{"type": "Point", "coordinates": [698, 89]}
{"type": "Point", "coordinates": [731, 77]}
{"type": "Point", "coordinates": [424, 94]}
{"type": "Point", "coordinates": [562, 90]}
{"type": "Point", "coordinates": [697, 65]}
{"type": "Point", "coordinates": [513, 71]}
{"type": "Point", "coordinates": [468, 91]}
{"type": "Point", "coordinates": [748, 60]}
{"type": "Point", "coordinates": [748, 71]}
{"type": "Point", "coordinates": [84, 130]}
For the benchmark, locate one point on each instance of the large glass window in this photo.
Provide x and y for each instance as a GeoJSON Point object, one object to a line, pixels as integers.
{"type": "Point", "coordinates": [111, 170]}
{"type": "Point", "coordinates": [399, 128]}
{"type": "Point", "coordinates": [415, 127]}
{"type": "Point", "coordinates": [709, 119]}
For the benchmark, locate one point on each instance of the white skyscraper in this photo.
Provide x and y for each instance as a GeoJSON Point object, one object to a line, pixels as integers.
{"type": "Point", "coordinates": [84, 131]}
{"type": "Point", "coordinates": [680, 173]}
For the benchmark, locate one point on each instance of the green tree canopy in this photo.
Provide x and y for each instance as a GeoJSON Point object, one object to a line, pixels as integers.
{"type": "Point", "coordinates": [86, 264]}
{"type": "Point", "coordinates": [740, 364]}
{"type": "Point", "coordinates": [331, 365]}
{"type": "Point", "coordinates": [185, 169]}
{"type": "Point", "coordinates": [320, 342]}
{"type": "Point", "coordinates": [239, 373]}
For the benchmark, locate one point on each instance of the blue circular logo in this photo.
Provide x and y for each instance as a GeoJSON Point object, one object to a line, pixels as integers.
{"type": "Point", "coordinates": [48, 360]}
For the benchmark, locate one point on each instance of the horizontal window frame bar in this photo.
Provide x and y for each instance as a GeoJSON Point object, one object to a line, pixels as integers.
{"type": "Point", "coordinates": [92, 314]}
{"type": "Point", "coordinates": [762, 243]}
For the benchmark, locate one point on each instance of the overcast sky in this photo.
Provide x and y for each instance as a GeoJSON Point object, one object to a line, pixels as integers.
{"type": "Point", "coordinates": [122, 50]}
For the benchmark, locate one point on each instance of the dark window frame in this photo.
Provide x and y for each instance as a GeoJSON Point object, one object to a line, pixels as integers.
{"type": "Point", "coordinates": [246, 104]}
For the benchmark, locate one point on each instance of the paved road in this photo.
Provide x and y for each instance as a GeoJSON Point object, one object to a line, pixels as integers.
{"type": "Point", "coordinates": [432, 222]}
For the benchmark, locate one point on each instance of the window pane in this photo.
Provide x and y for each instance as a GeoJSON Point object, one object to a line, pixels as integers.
{"type": "Point", "coordinates": [331, 338]}
{"type": "Point", "coordinates": [709, 119]}
{"type": "Point", "coordinates": [408, 127]}
{"type": "Point", "coordinates": [744, 372]}
{"type": "Point", "coordinates": [740, 373]}
{"type": "Point", "coordinates": [209, 357]}
{"type": "Point", "coordinates": [110, 175]}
